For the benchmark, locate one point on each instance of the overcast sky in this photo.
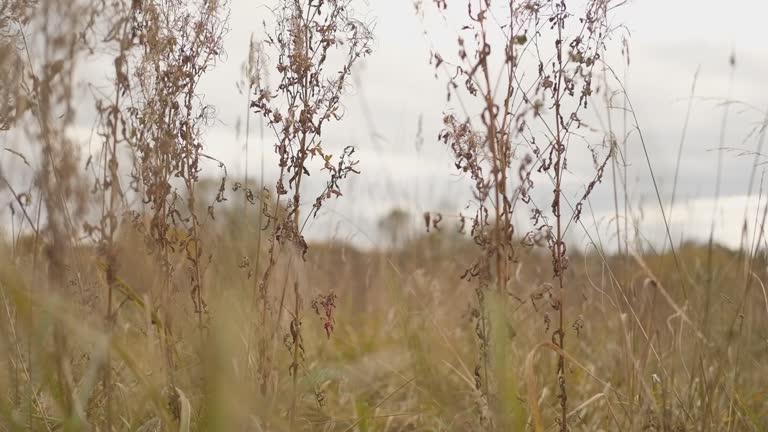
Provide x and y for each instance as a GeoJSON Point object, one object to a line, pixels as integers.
{"type": "Point", "coordinates": [396, 94]}
{"type": "Point", "coordinates": [669, 41]}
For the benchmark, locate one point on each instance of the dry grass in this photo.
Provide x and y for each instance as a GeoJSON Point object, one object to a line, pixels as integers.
{"type": "Point", "coordinates": [153, 292]}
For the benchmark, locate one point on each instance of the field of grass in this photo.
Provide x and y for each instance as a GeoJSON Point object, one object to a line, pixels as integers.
{"type": "Point", "coordinates": [142, 288]}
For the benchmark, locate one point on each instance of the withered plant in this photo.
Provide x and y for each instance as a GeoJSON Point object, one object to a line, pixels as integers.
{"type": "Point", "coordinates": [151, 124]}
{"type": "Point", "coordinates": [13, 16]}
{"type": "Point", "coordinates": [527, 68]}
{"type": "Point", "coordinates": [314, 47]}
{"type": "Point", "coordinates": [38, 97]}
{"type": "Point", "coordinates": [179, 43]}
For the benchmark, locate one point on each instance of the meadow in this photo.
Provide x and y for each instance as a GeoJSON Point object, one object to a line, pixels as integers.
{"type": "Point", "coordinates": [145, 288]}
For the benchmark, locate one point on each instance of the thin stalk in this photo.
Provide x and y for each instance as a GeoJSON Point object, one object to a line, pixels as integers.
{"type": "Point", "coordinates": [559, 245]}
{"type": "Point", "coordinates": [680, 146]}
{"type": "Point", "coordinates": [705, 321]}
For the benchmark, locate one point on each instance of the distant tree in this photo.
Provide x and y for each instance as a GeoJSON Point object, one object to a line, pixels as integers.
{"type": "Point", "coordinates": [394, 226]}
